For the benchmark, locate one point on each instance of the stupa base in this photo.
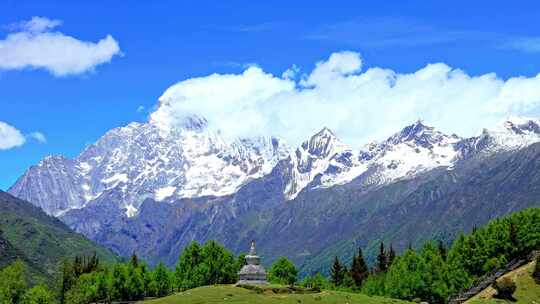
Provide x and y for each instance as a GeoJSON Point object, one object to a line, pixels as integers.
{"type": "Point", "coordinates": [252, 282]}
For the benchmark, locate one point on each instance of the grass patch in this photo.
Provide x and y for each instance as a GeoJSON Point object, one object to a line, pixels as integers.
{"type": "Point", "coordinates": [267, 295]}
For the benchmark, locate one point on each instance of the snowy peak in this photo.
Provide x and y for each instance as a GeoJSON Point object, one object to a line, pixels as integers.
{"type": "Point", "coordinates": [142, 160]}
{"type": "Point", "coordinates": [421, 135]}
{"type": "Point", "coordinates": [323, 144]}
{"type": "Point", "coordinates": [511, 134]}
{"type": "Point", "coordinates": [148, 160]}
{"type": "Point", "coordinates": [319, 160]}
{"type": "Point", "coordinates": [520, 125]}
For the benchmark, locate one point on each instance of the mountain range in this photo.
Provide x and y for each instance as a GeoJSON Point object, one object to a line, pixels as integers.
{"type": "Point", "coordinates": [149, 189]}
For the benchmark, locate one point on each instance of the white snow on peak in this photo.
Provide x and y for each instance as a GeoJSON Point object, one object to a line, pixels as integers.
{"type": "Point", "coordinates": [511, 134]}
{"type": "Point", "coordinates": [321, 153]}
{"type": "Point", "coordinates": [144, 160]}
{"type": "Point", "coordinates": [131, 211]}
{"type": "Point", "coordinates": [414, 149]}
{"type": "Point", "coordinates": [164, 192]}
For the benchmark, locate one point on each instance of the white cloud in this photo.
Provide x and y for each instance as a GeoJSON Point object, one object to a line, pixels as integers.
{"type": "Point", "coordinates": [40, 137]}
{"type": "Point", "coordinates": [35, 46]}
{"type": "Point", "coordinates": [37, 24]}
{"type": "Point", "coordinates": [140, 109]}
{"type": "Point", "coordinates": [10, 137]}
{"type": "Point", "coordinates": [359, 105]}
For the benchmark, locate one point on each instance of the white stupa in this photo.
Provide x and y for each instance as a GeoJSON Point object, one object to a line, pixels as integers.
{"type": "Point", "coordinates": [253, 273]}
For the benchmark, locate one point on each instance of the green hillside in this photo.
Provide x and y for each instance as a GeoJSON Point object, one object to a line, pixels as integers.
{"type": "Point", "coordinates": [527, 291]}
{"type": "Point", "coordinates": [232, 294]}
{"type": "Point", "coordinates": [39, 240]}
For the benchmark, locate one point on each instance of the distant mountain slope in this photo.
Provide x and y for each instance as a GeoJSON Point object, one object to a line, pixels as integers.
{"type": "Point", "coordinates": [8, 253]}
{"type": "Point", "coordinates": [438, 204]}
{"type": "Point", "coordinates": [39, 239]}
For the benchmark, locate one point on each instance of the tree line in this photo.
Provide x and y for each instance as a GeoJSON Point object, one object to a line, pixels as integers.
{"type": "Point", "coordinates": [87, 280]}
{"type": "Point", "coordinates": [433, 273]}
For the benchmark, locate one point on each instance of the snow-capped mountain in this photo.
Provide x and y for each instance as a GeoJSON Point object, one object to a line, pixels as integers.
{"type": "Point", "coordinates": [146, 160]}
{"type": "Point", "coordinates": [325, 161]}
{"type": "Point", "coordinates": [322, 155]}
{"type": "Point", "coordinates": [153, 189]}
{"type": "Point", "coordinates": [511, 134]}
{"type": "Point", "coordinates": [142, 160]}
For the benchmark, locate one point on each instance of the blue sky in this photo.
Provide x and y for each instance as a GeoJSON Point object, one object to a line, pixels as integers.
{"type": "Point", "coordinates": [170, 41]}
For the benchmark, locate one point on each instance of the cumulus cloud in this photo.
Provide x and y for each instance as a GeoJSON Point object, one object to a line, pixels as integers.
{"type": "Point", "coordinates": [10, 137]}
{"type": "Point", "coordinates": [35, 45]}
{"type": "Point", "coordinates": [40, 137]}
{"type": "Point", "coordinates": [359, 105]}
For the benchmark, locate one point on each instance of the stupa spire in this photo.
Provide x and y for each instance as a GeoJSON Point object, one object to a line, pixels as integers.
{"type": "Point", "coordinates": [252, 250]}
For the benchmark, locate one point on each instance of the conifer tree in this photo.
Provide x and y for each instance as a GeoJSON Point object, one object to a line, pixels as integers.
{"type": "Point", "coordinates": [336, 273]}
{"type": "Point", "coordinates": [134, 283]}
{"type": "Point", "coordinates": [382, 261]}
{"type": "Point", "coordinates": [134, 260]}
{"type": "Point", "coordinates": [391, 256]}
{"type": "Point", "coordinates": [359, 269]}
{"type": "Point", "coordinates": [66, 280]}
{"type": "Point", "coordinates": [442, 250]}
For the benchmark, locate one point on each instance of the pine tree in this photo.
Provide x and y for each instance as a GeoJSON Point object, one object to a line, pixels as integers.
{"type": "Point", "coordinates": [134, 283]}
{"type": "Point", "coordinates": [66, 281]}
{"type": "Point", "coordinates": [134, 260]}
{"type": "Point", "coordinates": [442, 250]}
{"type": "Point", "coordinates": [336, 273]}
{"type": "Point", "coordinates": [359, 269]}
{"type": "Point", "coordinates": [391, 256]}
{"type": "Point", "coordinates": [382, 261]}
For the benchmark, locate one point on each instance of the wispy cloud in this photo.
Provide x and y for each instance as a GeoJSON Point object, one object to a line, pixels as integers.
{"type": "Point", "coordinates": [40, 137]}
{"type": "Point", "coordinates": [34, 45]}
{"type": "Point", "coordinates": [409, 32]}
{"type": "Point", "coordinates": [235, 64]}
{"type": "Point", "coordinates": [395, 31]}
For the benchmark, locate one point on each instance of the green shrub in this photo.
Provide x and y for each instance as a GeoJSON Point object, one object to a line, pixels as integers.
{"type": "Point", "coordinates": [505, 288]}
